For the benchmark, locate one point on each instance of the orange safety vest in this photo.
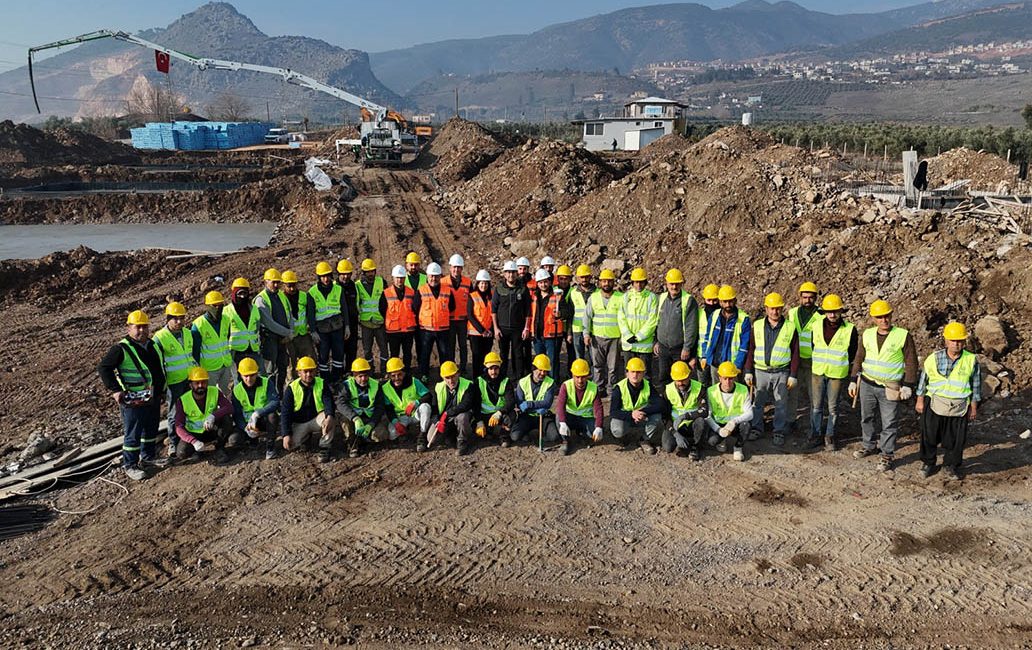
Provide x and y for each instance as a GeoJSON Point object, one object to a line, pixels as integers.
{"type": "Point", "coordinates": [481, 312]}
{"type": "Point", "coordinates": [400, 317]}
{"type": "Point", "coordinates": [434, 315]}
{"type": "Point", "coordinates": [553, 327]}
{"type": "Point", "coordinates": [461, 295]}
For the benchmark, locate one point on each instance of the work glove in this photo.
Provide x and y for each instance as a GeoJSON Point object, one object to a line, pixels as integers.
{"type": "Point", "coordinates": [524, 406]}
{"type": "Point", "coordinates": [209, 423]}
{"type": "Point", "coordinates": [495, 419]}
{"type": "Point", "coordinates": [564, 429]}
{"type": "Point", "coordinates": [441, 422]}
{"type": "Point", "coordinates": [409, 408]}
{"type": "Point", "coordinates": [596, 435]}
{"type": "Point", "coordinates": [726, 430]}
{"type": "Point", "coordinates": [851, 389]}
{"type": "Point", "coordinates": [481, 430]}
{"type": "Point", "coordinates": [905, 392]}
{"type": "Point", "coordinates": [365, 431]}
{"type": "Point", "coordinates": [358, 425]}
{"type": "Point", "coordinates": [198, 446]}
{"type": "Point", "coordinates": [792, 383]}
{"type": "Point", "coordinates": [702, 363]}
{"type": "Point", "coordinates": [399, 429]}
{"type": "Point", "coordinates": [749, 379]}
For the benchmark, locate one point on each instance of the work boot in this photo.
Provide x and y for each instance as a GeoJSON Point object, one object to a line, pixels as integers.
{"type": "Point", "coordinates": [681, 452]}
{"type": "Point", "coordinates": [863, 452]}
{"type": "Point", "coordinates": [695, 455]}
{"type": "Point", "coordinates": [135, 473]}
{"type": "Point", "coordinates": [156, 463]}
{"type": "Point", "coordinates": [462, 449]}
{"type": "Point", "coordinates": [714, 440]}
{"type": "Point", "coordinates": [739, 454]}
{"type": "Point", "coordinates": [271, 453]}
{"type": "Point", "coordinates": [353, 452]}
{"type": "Point", "coordinates": [885, 463]}
{"type": "Point", "coordinates": [506, 442]}
{"type": "Point", "coordinates": [950, 473]}
{"type": "Point", "coordinates": [756, 434]}
{"type": "Point", "coordinates": [221, 457]}
{"type": "Point", "coordinates": [829, 443]}
{"type": "Point", "coordinates": [927, 470]}
{"type": "Point", "coordinates": [420, 447]}
{"type": "Point", "coordinates": [813, 442]}
{"type": "Point", "coordinates": [722, 446]}
{"type": "Point", "coordinates": [325, 456]}
{"type": "Point", "coordinates": [648, 447]}
{"type": "Point", "coordinates": [778, 439]}
{"type": "Point", "coordinates": [565, 448]}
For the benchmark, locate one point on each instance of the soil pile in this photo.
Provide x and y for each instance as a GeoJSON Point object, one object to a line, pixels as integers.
{"type": "Point", "coordinates": [21, 144]}
{"type": "Point", "coordinates": [668, 144]}
{"type": "Point", "coordinates": [462, 149]}
{"type": "Point", "coordinates": [985, 170]}
{"type": "Point", "coordinates": [329, 146]}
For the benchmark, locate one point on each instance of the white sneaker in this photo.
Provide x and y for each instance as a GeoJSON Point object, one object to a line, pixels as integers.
{"type": "Point", "coordinates": [135, 473]}
{"type": "Point", "coordinates": [739, 455]}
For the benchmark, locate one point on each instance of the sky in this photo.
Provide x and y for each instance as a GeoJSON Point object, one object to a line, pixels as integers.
{"type": "Point", "coordinates": [369, 26]}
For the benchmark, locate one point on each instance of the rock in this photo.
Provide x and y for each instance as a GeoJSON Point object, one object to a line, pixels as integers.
{"type": "Point", "coordinates": [991, 366]}
{"type": "Point", "coordinates": [1026, 434]}
{"type": "Point", "coordinates": [991, 335]}
{"type": "Point", "coordinates": [524, 247]}
{"type": "Point", "coordinates": [616, 266]}
{"type": "Point", "coordinates": [990, 385]}
{"type": "Point", "coordinates": [779, 181]}
{"type": "Point", "coordinates": [811, 197]}
{"type": "Point", "coordinates": [37, 445]}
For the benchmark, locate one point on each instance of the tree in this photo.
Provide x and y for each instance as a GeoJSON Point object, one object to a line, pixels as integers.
{"type": "Point", "coordinates": [154, 103]}
{"type": "Point", "coordinates": [1026, 113]}
{"type": "Point", "coordinates": [229, 107]}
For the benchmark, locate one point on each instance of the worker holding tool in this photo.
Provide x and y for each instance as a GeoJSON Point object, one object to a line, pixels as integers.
{"type": "Point", "coordinates": [578, 408]}
{"type": "Point", "coordinates": [480, 320]}
{"type": "Point", "coordinates": [802, 317]}
{"type": "Point", "coordinates": [497, 400]}
{"type": "Point", "coordinates": [132, 370]}
{"type": "Point", "coordinates": [635, 409]}
{"type": "Point", "coordinates": [884, 374]}
{"type": "Point", "coordinates": [578, 297]}
{"type": "Point", "coordinates": [535, 394]}
{"type": "Point", "coordinates": [510, 308]}
{"type": "Point", "coordinates": [834, 349]}
{"type": "Point", "coordinates": [345, 273]}
{"type": "Point", "coordinates": [330, 324]}
{"type": "Point", "coordinates": [256, 407]}
{"type": "Point", "coordinates": [455, 409]}
{"type": "Point", "coordinates": [436, 304]}
{"type": "Point", "coordinates": [371, 311]}
{"type": "Point", "coordinates": [602, 331]}
{"type": "Point", "coordinates": [361, 408]}
{"type": "Point", "coordinates": [729, 331]}
{"type": "Point", "coordinates": [179, 352]}
{"type": "Point", "coordinates": [302, 313]}
{"type": "Point", "coordinates": [771, 365]}
{"type": "Point", "coordinates": [406, 403]}
{"type": "Point", "coordinates": [686, 409]}
{"type": "Point", "coordinates": [638, 317]}
{"type": "Point", "coordinates": [399, 313]}
{"type": "Point", "coordinates": [549, 314]}
{"type": "Point", "coordinates": [307, 409]}
{"type": "Point", "coordinates": [276, 330]}
{"type": "Point", "coordinates": [204, 419]}
{"type": "Point", "coordinates": [243, 322]}
{"type": "Point", "coordinates": [710, 304]}
{"type": "Point", "coordinates": [212, 329]}
{"type": "Point", "coordinates": [948, 393]}
{"type": "Point", "coordinates": [677, 329]}
{"type": "Point", "coordinates": [730, 412]}
{"type": "Point", "coordinates": [460, 287]}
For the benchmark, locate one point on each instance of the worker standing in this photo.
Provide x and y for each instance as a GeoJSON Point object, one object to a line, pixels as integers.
{"type": "Point", "coordinates": [635, 408]}
{"type": "Point", "coordinates": [179, 352]}
{"type": "Point", "coordinates": [638, 318]}
{"type": "Point", "coordinates": [951, 378]}
{"type": "Point", "coordinates": [277, 328]}
{"type": "Point", "coordinates": [460, 287]}
{"type": "Point", "coordinates": [414, 279]}
{"type": "Point", "coordinates": [497, 400]}
{"type": "Point", "coordinates": [677, 329]}
{"type": "Point", "coordinates": [685, 407]}
{"type": "Point", "coordinates": [436, 304]}
{"type": "Point", "coordinates": [480, 320]}
{"type": "Point", "coordinates": [548, 264]}
{"type": "Point", "coordinates": [362, 408]}
{"type": "Point", "coordinates": [578, 408]}
{"type": "Point", "coordinates": [510, 307]}
{"type": "Point", "coordinates": [602, 331]}
{"type": "Point", "coordinates": [579, 296]}
{"type": "Point", "coordinates": [730, 411]}
{"type": "Point", "coordinates": [526, 277]}
{"type": "Point", "coordinates": [523, 272]}
{"type": "Point", "coordinates": [535, 394]}
{"type": "Point", "coordinates": [132, 370]}
{"type": "Point", "coordinates": [774, 356]}
{"type": "Point", "coordinates": [563, 287]}
{"type": "Point", "coordinates": [256, 407]}
{"type": "Point", "coordinates": [306, 409]}
{"type": "Point", "coordinates": [243, 322]}
{"type": "Point", "coordinates": [728, 334]}
{"type": "Point", "coordinates": [549, 314]}
{"type": "Point", "coordinates": [834, 349]}
{"type": "Point", "coordinates": [212, 329]}
{"type": "Point", "coordinates": [455, 408]}
{"type": "Point", "coordinates": [345, 273]}
{"type": "Point", "coordinates": [400, 316]}
{"type": "Point", "coordinates": [884, 372]}
{"type": "Point", "coordinates": [370, 318]}
{"type": "Point", "coordinates": [406, 403]}
{"type": "Point", "coordinates": [204, 419]}
{"type": "Point", "coordinates": [710, 304]}
{"type": "Point", "coordinates": [302, 314]}
{"type": "Point", "coordinates": [332, 313]}
{"type": "Point", "coordinates": [802, 318]}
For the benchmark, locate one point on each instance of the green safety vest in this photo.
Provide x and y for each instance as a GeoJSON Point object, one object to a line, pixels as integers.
{"type": "Point", "coordinates": [369, 303]}
{"type": "Point", "coordinates": [604, 320]}
{"type": "Point", "coordinates": [723, 414]}
{"type": "Point", "coordinates": [214, 345]}
{"type": "Point", "coordinates": [958, 384]}
{"type": "Point", "coordinates": [301, 321]}
{"type": "Point", "coordinates": [411, 393]}
{"type": "Point", "coordinates": [678, 406]}
{"type": "Point", "coordinates": [625, 395]}
{"type": "Point", "coordinates": [736, 335]}
{"type": "Point", "coordinates": [487, 407]}
{"type": "Point", "coordinates": [639, 311]}
{"type": "Point", "coordinates": [374, 388]}
{"type": "Point", "coordinates": [579, 302]}
{"type": "Point", "coordinates": [527, 386]}
{"type": "Point", "coordinates": [267, 299]}
{"type": "Point", "coordinates": [781, 354]}
{"type": "Point", "coordinates": [586, 407]}
{"type": "Point", "coordinates": [133, 374]}
{"type": "Point", "coordinates": [194, 416]}
{"type": "Point", "coordinates": [176, 358]}
{"type": "Point", "coordinates": [298, 390]}
{"type": "Point", "coordinates": [805, 331]}
{"type": "Point", "coordinates": [831, 358]}
{"type": "Point", "coordinates": [422, 281]}
{"type": "Point", "coordinates": [703, 340]}
{"type": "Point", "coordinates": [242, 336]}
{"type": "Point", "coordinates": [441, 390]}
{"type": "Point", "coordinates": [261, 397]}
{"type": "Point", "coordinates": [326, 306]}
{"type": "Point", "coordinates": [885, 365]}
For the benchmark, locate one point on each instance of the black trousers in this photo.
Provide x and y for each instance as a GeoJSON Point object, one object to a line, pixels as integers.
{"type": "Point", "coordinates": [480, 345]}
{"type": "Point", "coordinates": [399, 344]}
{"type": "Point", "coordinates": [510, 349]}
{"type": "Point", "coordinates": [950, 432]}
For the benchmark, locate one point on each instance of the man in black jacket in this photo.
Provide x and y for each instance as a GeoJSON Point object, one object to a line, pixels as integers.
{"type": "Point", "coordinates": [510, 306]}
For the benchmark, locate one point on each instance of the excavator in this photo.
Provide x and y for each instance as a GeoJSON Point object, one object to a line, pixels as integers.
{"type": "Point", "coordinates": [381, 130]}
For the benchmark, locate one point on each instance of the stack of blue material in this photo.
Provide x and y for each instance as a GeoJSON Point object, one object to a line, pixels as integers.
{"type": "Point", "coordinates": [199, 136]}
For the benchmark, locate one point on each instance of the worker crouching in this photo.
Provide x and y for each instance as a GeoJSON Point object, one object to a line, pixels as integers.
{"type": "Point", "coordinates": [406, 403]}
{"type": "Point", "coordinates": [635, 408]}
{"type": "Point", "coordinates": [578, 408]}
{"type": "Point", "coordinates": [255, 407]}
{"type": "Point", "coordinates": [687, 413]}
{"type": "Point", "coordinates": [204, 420]}
{"type": "Point", "coordinates": [731, 411]}
{"type": "Point", "coordinates": [455, 408]}
{"type": "Point", "coordinates": [361, 409]}
{"type": "Point", "coordinates": [535, 394]}
{"type": "Point", "coordinates": [497, 400]}
{"type": "Point", "coordinates": [307, 409]}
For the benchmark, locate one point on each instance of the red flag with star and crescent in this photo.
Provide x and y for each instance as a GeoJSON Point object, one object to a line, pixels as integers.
{"type": "Point", "coordinates": [161, 59]}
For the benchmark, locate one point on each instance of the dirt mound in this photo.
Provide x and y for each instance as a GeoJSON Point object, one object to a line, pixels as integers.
{"type": "Point", "coordinates": [985, 170]}
{"type": "Point", "coordinates": [329, 144]}
{"type": "Point", "coordinates": [23, 144]}
{"type": "Point", "coordinates": [461, 149]}
{"type": "Point", "coordinates": [668, 144]}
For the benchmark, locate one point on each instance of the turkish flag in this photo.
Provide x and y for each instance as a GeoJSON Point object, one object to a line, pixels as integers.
{"type": "Point", "coordinates": [161, 59]}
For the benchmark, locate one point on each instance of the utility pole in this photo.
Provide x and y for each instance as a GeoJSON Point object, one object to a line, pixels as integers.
{"type": "Point", "coordinates": [456, 101]}
{"type": "Point", "coordinates": [268, 115]}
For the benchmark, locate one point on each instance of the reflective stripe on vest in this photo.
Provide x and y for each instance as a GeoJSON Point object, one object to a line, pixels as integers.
{"type": "Point", "coordinates": [736, 335]}
{"type": "Point", "coordinates": [326, 306]}
{"type": "Point", "coordinates": [780, 354]}
{"type": "Point", "coordinates": [299, 395]}
{"type": "Point", "coordinates": [373, 388]}
{"type": "Point", "coordinates": [625, 395]}
{"type": "Point", "coordinates": [400, 317]}
{"type": "Point", "coordinates": [885, 365]}
{"type": "Point", "coordinates": [369, 302]}
{"type": "Point", "coordinates": [586, 407]}
{"type": "Point", "coordinates": [301, 320]}
{"type": "Point", "coordinates": [242, 336]}
{"type": "Point", "coordinates": [482, 313]}
{"type": "Point", "coordinates": [194, 422]}
{"type": "Point", "coordinates": [958, 384]}
{"type": "Point", "coordinates": [527, 386]}
{"type": "Point", "coordinates": [831, 359]}
{"type": "Point", "coordinates": [487, 407]}
{"type": "Point", "coordinates": [214, 345]}
{"type": "Point", "coordinates": [176, 358]}
{"type": "Point", "coordinates": [133, 374]}
{"type": "Point", "coordinates": [678, 406]}
{"type": "Point", "coordinates": [637, 308]}
{"type": "Point", "coordinates": [409, 395]}
{"type": "Point", "coordinates": [579, 302]}
{"type": "Point", "coordinates": [461, 295]}
{"type": "Point", "coordinates": [441, 390]}
{"type": "Point", "coordinates": [434, 315]}
{"type": "Point", "coordinates": [261, 397]}
{"type": "Point", "coordinates": [805, 331]}
{"type": "Point", "coordinates": [723, 414]}
{"type": "Point", "coordinates": [701, 349]}
{"type": "Point", "coordinates": [604, 321]}
{"type": "Point", "coordinates": [551, 325]}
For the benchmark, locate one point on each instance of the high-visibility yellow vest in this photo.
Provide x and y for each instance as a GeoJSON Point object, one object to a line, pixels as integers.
{"type": "Point", "coordinates": [781, 352]}
{"type": "Point", "coordinates": [487, 407]}
{"type": "Point", "coordinates": [214, 345]}
{"type": "Point", "coordinates": [374, 388]}
{"type": "Point", "coordinates": [603, 316]}
{"type": "Point", "coordinates": [176, 358]}
{"type": "Point", "coordinates": [133, 373]}
{"type": "Point", "coordinates": [625, 395]}
{"type": "Point", "coordinates": [720, 413]}
{"type": "Point", "coordinates": [579, 302]}
{"type": "Point", "coordinates": [261, 397]}
{"type": "Point", "coordinates": [639, 310]}
{"type": "Point", "coordinates": [298, 391]}
{"type": "Point", "coordinates": [884, 365]}
{"type": "Point", "coordinates": [410, 394]}
{"type": "Point", "coordinates": [326, 306]}
{"type": "Point", "coordinates": [242, 336]}
{"type": "Point", "coordinates": [369, 303]}
{"type": "Point", "coordinates": [527, 386]}
{"type": "Point", "coordinates": [194, 422]}
{"type": "Point", "coordinates": [831, 358]}
{"type": "Point", "coordinates": [804, 330]}
{"type": "Point", "coordinates": [301, 321]}
{"type": "Point", "coordinates": [679, 407]}
{"type": "Point", "coordinates": [441, 390]}
{"type": "Point", "coordinates": [586, 407]}
{"type": "Point", "coordinates": [700, 351]}
{"type": "Point", "coordinates": [958, 384]}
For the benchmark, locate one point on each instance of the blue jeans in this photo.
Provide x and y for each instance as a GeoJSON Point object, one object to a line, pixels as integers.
{"type": "Point", "coordinates": [821, 389]}
{"type": "Point", "coordinates": [549, 348]}
{"type": "Point", "coordinates": [140, 425]}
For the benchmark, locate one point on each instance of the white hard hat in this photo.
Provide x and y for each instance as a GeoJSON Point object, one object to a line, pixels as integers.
{"type": "Point", "coordinates": [456, 260]}
{"type": "Point", "coordinates": [542, 275]}
{"type": "Point", "coordinates": [398, 271]}
{"type": "Point", "coordinates": [523, 261]}
{"type": "Point", "coordinates": [547, 261]}
{"type": "Point", "coordinates": [509, 266]}
{"type": "Point", "coordinates": [433, 268]}
{"type": "Point", "coordinates": [484, 276]}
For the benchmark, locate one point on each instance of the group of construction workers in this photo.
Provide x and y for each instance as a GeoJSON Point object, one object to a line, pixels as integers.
{"type": "Point", "coordinates": [680, 374]}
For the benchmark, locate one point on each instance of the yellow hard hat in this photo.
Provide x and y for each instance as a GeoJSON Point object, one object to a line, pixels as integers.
{"type": "Point", "coordinates": [880, 308]}
{"type": "Point", "coordinates": [368, 265]}
{"type": "Point", "coordinates": [449, 369]}
{"type": "Point", "coordinates": [176, 309]}
{"type": "Point", "coordinates": [583, 271]}
{"type": "Point", "coordinates": [726, 292]}
{"type": "Point", "coordinates": [360, 365]}
{"type": "Point", "coordinates": [564, 271]}
{"type": "Point", "coordinates": [710, 292]}
{"type": "Point", "coordinates": [674, 276]}
{"type": "Point", "coordinates": [639, 275]}
{"type": "Point", "coordinates": [214, 298]}
{"type": "Point", "coordinates": [413, 258]}
{"type": "Point", "coordinates": [542, 362]}
{"type": "Point", "coordinates": [831, 302]}
{"type": "Point", "coordinates": [323, 268]}
{"type": "Point", "coordinates": [580, 368]}
{"type": "Point", "coordinates": [773, 300]}
{"type": "Point", "coordinates": [679, 371]}
{"type": "Point", "coordinates": [607, 274]}
{"type": "Point", "coordinates": [241, 283]}
{"type": "Point", "coordinates": [197, 373]}
{"type": "Point", "coordinates": [306, 363]}
{"type": "Point", "coordinates": [727, 369]}
{"type": "Point", "coordinates": [394, 364]}
{"type": "Point", "coordinates": [492, 359]}
{"type": "Point", "coordinates": [137, 318]}
{"type": "Point", "coordinates": [248, 366]}
{"type": "Point", "coordinates": [954, 332]}
{"type": "Point", "coordinates": [808, 287]}
{"type": "Point", "coordinates": [344, 266]}
{"type": "Point", "coordinates": [272, 275]}
{"type": "Point", "coordinates": [635, 364]}
{"type": "Point", "coordinates": [289, 277]}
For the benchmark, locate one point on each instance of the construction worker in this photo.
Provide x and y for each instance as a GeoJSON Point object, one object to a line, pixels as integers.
{"type": "Point", "coordinates": [330, 324]}
{"type": "Point", "coordinates": [684, 405]}
{"type": "Point", "coordinates": [635, 407]}
{"type": "Point", "coordinates": [728, 334]}
{"type": "Point", "coordinates": [884, 373]}
{"type": "Point", "coordinates": [370, 318]}
{"type": "Point", "coordinates": [563, 287]}
{"type": "Point", "coordinates": [436, 304]}
{"type": "Point", "coordinates": [710, 304]}
{"type": "Point", "coordinates": [277, 328]}
{"type": "Point", "coordinates": [212, 329]}
{"type": "Point", "coordinates": [578, 408]}
{"type": "Point", "coordinates": [256, 406]}
{"type": "Point", "coordinates": [638, 318]}
{"type": "Point", "coordinates": [527, 279]}
{"type": "Point", "coordinates": [951, 378]}
{"type": "Point", "coordinates": [730, 411]}
{"type": "Point", "coordinates": [204, 418]}
{"type": "Point", "coordinates": [535, 394]}
{"type": "Point", "coordinates": [523, 272]}
{"type": "Point", "coordinates": [456, 404]}
{"type": "Point", "coordinates": [345, 273]}
{"type": "Point", "coordinates": [460, 287]}
{"type": "Point", "coordinates": [361, 408]}
{"type": "Point", "coordinates": [302, 313]}
{"type": "Point", "coordinates": [771, 365]}
{"type": "Point", "coordinates": [802, 318]}
{"type": "Point", "coordinates": [306, 409]}
{"type": "Point", "coordinates": [677, 329]}
{"type": "Point", "coordinates": [548, 264]}
{"type": "Point", "coordinates": [132, 370]}
{"type": "Point", "coordinates": [414, 277]}
{"type": "Point", "coordinates": [602, 331]}
{"type": "Point", "coordinates": [549, 314]}
{"type": "Point", "coordinates": [497, 400]}
{"type": "Point", "coordinates": [834, 349]}
{"type": "Point", "coordinates": [179, 352]}
{"type": "Point", "coordinates": [243, 322]}
{"type": "Point", "coordinates": [480, 320]}
{"type": "Point", "coordinates": [406, 403]}
{"type": "Point", "coordinates": [399, 316]}
{"type": "Point", "coordinates": [578, 297]}
{"type": "Point", "coordinates": [510, 307]}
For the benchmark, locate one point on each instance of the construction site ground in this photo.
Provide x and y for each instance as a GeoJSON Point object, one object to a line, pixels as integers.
{"type": "Point", "coordinates": [513, 547]}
